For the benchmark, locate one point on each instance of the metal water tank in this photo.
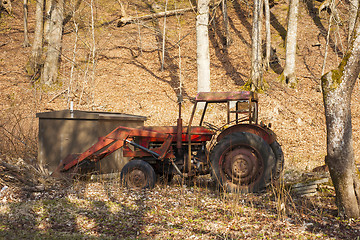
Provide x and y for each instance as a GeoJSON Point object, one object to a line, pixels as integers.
{"type": "Point", "coordinates": [64, 132]}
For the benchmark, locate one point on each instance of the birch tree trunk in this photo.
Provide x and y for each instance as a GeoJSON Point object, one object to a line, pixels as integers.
{"type": "Point", "coordinates": [288, 76]}
{"type": "Point", "coordinates": [55, 24]}
{"type": "Point", "coordinates": [202, 41]}
{"type": "Point", "coordinates": [337, 86]}
{"type": "Point", "coordinates": [256, 81]}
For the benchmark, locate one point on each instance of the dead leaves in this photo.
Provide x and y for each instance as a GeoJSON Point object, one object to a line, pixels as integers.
{"type": "Point", "coordinates": [104, 209]}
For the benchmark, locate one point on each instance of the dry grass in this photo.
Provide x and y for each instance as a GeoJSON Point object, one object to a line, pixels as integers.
{"type": "Point", "coordinates": [128, 79]}
{"type": "Point", "coordinates": [105, 210]}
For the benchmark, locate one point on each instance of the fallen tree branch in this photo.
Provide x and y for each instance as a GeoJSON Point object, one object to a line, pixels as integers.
{"type": "Point", "coordinates": [58, 95]}
{"type": "Point", "coordinates": [128, 20]}
{"type": "Point", "coordinates": [15, 172]}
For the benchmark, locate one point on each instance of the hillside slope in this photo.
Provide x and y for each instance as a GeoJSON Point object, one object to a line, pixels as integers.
{"type": "Point", "coordinates": [127, 76]}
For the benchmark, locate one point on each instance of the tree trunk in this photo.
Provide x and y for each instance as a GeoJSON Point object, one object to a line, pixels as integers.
{"type": "Point", "coordinates": [288, 74]}
{"type": "Point", "coordinates": [337, 86]}
{"type": "Point", "coordinates": [35, 61]}
{"type": "Point", "coordinates": [26, 42]}
{"type": "Point", "coordinates": [202, 41]}
{"type": "Point", "coordinates": [256, 81]}
{"type": "Point", "coordinates": [226, 23]}
{"type": "Point", "coordinates": [54, 38]}
{"type": "Point", "coordinates": [354, 5]}
{"type": "Point", "coordinates": [268, 34]}
{"type": "Point", "coordinates": [49, 4]}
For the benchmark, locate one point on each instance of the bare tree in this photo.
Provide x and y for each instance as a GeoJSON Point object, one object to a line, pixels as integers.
{"type": "Point", "coordinates": [337, 86]}
{"type": "Point", "coordinates": [164, 39]}
{"type": "Point", "coordinates": [202, 41]}
{"type": "Point", "coordinates": [48, 40]}
{"type": "Point", "coordinates": [256, 82]}
{"type": "Point", "coordinates": [288, 75]}
{"type": "Point", "coordinates": [35, 61]}
{"type": "Point", "coordinates": [268, 34]}
{"type": "Point", "coordinates": [226, 23]}
{"type": "Point", "coordinates": [54, 38]}
{"type": "Point", "coordinates": [26, 42]}
{"type": "Point", "coordinates": [354, 5]}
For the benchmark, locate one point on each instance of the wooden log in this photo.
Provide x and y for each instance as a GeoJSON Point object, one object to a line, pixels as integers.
{"type": "Point", "coordinates": [39, 188]}
{"type": "Point", "coordinates": [310, 183]}
{"type": "Point", "coordinates": [308, 188]}
{"type": "Point", "coordinates": [15, 172]}
{"type": "Point", "coordinates": [128, 20]}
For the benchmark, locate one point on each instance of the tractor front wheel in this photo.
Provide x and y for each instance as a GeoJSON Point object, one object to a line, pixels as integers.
{"type": "Point", "coordinates": [242, 162]}
{"type": "Point", "coordinates": [138, 174]}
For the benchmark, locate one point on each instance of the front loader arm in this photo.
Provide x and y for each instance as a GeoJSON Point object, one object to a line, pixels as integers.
{"type": "Point", "coordinates": [109, 144]}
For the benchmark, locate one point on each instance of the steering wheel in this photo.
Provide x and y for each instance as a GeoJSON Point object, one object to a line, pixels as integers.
{"type": "Point", "coordinates": [211, 126]}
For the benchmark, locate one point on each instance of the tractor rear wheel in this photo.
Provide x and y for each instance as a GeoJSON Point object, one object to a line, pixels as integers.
{"type": "Point", "coordinates": [138, 174]}
{"type": "Point", "coordinates": [242, 162]}
{"type": "Point", "coordinates": [279, 156]}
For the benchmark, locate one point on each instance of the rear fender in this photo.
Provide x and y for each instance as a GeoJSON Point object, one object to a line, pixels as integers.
{"type": "Point", "coordinates": [262, 131]}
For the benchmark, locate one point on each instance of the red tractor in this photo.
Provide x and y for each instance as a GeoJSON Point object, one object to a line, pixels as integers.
{"type": "Point", "coordinates": [242, 156]}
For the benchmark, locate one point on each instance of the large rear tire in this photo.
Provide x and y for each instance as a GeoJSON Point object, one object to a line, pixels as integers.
{"type": "Point", "coordinates": [138, 174]}
{"type": "Point", "coordinates": [242, 162]}
{"type": "Point", "coordinates": [279, 156]}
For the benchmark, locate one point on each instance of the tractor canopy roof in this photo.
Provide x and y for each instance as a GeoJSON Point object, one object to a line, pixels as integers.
{"type": "Point", "coordinates": [225, 96]}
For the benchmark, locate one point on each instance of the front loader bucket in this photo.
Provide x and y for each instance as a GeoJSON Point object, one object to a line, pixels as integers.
{"type": "Point", "coordinates": [59, 173]}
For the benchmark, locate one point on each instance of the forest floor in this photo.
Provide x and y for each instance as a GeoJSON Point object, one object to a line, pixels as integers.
{"type": "Point", "coordinates": [126, 76]}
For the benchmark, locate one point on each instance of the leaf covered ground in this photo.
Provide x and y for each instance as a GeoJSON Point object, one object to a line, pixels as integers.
{"type": "Point", "coordinates": [127, 78]}
{"type": "Point", "coordinates": [103, 209]}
